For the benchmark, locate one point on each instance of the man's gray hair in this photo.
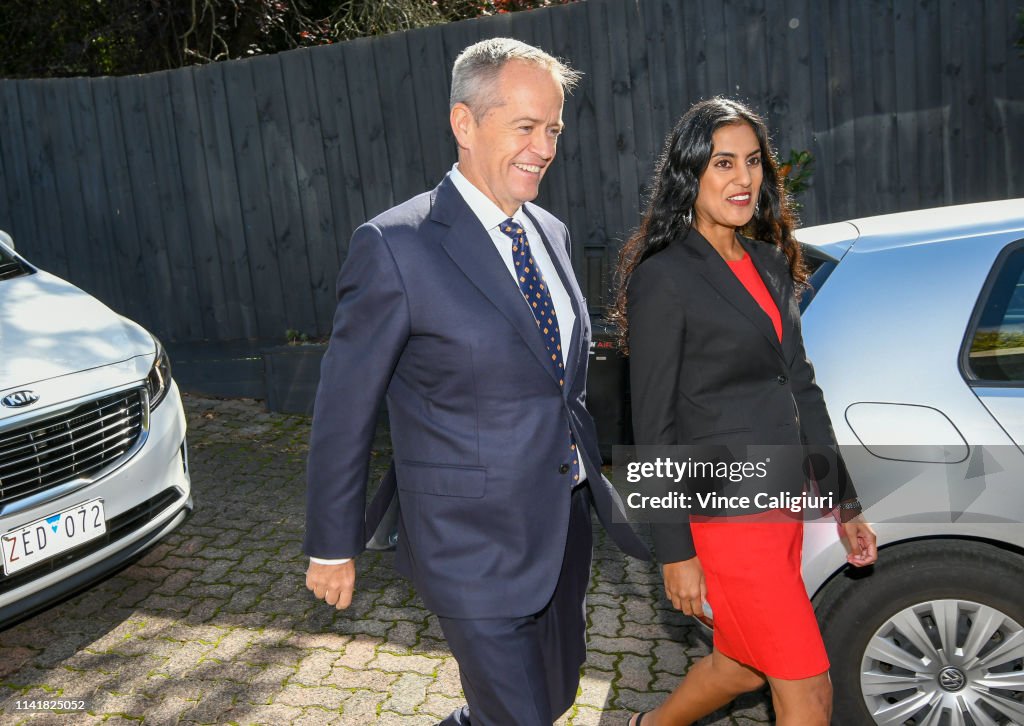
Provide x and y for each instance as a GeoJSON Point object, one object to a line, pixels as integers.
{"type": "Point", "coordinates": [475, 74]}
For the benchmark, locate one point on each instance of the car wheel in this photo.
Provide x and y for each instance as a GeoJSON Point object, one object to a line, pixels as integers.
{"type": "Point", "coordinates": [934, 636]}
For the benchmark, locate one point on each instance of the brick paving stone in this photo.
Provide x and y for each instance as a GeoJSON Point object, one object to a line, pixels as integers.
{"type": "Point", "coordinates": [214, 709]}
{"type": "Point", "coordinates": [315, 666]}
{"type": "Point", "coordinates": [399, 663]}
{"type": "Point", "coordinates": [665, 682]}
{"type": "Point", "coordinates": [168, 711]}
{"type": "Point", "coordinates": [358, 652]}
{"type": "Point", "coordinates": [619, 645]}
{"type": "Point", "coordinates": [361, 708]}
{"type": "Point", "coordinates": [595, 686]}
{"type": "Point", "coordinates": [14, 657]}
{"type": "Point", "coordinates": [400, 719]}
{"type": "Point", "coordinates": [634, 673]}
{"type": "Point", "coordinates": [604, 621]}
{"type": "Point", "coordinates": [270, 715]}
{"type": "Point", "coordinates": [447, 682]}
{"type": "Point", "coordinates": [440, 705]}
{"type": "Point", "coordinates": [406, 693]}
{"type": "Point", "coordinates": [323, 696]}
{"type": "Point", "coordinates": [601, 661]}
{"type": "Point", "coordinates": [362, 678]}
{"type": "Point", "coordinates": [598, 717]}
{"type": "Point", "coordinates": [638, 701]}
{"type": "Point", "coordinates": [402, 637]}
{"type": "Point", "coordinates": [327, 641]}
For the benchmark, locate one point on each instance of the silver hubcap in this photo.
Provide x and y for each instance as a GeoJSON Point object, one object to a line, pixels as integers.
{"type": "Point", "coordinates": [945, 663]}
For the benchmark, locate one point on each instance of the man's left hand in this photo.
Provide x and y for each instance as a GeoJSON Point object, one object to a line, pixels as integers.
{"type": "Point", "coordinates": [332, 583]}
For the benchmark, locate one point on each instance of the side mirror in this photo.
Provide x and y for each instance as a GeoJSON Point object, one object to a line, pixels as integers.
{"type": "Point", "coordinates": [6, 239]}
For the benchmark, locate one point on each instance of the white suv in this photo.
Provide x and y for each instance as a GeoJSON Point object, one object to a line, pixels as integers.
{"type": "Point", "coordinates": [93, 463]}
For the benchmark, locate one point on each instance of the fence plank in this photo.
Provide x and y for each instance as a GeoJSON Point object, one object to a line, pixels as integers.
{"type": "Point", "coordinates": [254, 192]}
{"type": "Point", "coordinates": [47, 224]}
{"type": "Point", "coordinates": [604, 135]}
{"type": "Point", "coordinates": [202, 249]}
{"type": "Point", "coordinates": [19, 220]}
{"type": "Point", "coordinates": [279, 157]}
{"type": "Point", "coordinates": [96, 222]}
{"type": "Point", "coordinates": [818, 202]}
{"type": "Point", "coordinates": [623, 98]}
{"type": "Point", "coordinates": [569, 165]}
{"type": "Point", "coordinates": [227, 231]}
{"type": "Point", "coordinates": [175, 242]}
{"type": "Point", "coordinates": [932, 114]}
{"type": "Point", "coordinates": [906, 103]}
{"type": "Point", "coordinates": [339, 139]}
{"type": "Point", "coordinates": [368, 125]}
{"type": "Point", "coordinates": [124, 242]}
{"type": "Point", "coordinates": [430, 82]}
{"type": "Point", "coordinates": [996, 46]}
{"type": "Point", "coordinates": [314, 199]}
{"type": "Point", "coordinates": [143, 172]}
{"type": "Point", "coordinates": [72, 179]}
{"type": "Point", "coordinates": [401, 116]}
{"type": "Point", "coordinates": [644, 143]}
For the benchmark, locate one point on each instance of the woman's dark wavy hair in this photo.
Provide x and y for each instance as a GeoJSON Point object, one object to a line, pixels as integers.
{"type": "Point", "coordinates": [669, 212]}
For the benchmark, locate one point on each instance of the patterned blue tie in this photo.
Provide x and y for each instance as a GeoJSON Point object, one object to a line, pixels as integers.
{"type": "Point", "coordinates": [538, 296]}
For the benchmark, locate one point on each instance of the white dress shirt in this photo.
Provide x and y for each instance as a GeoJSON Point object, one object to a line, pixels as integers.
{"type": "Point", "coordinates": [491, 217]}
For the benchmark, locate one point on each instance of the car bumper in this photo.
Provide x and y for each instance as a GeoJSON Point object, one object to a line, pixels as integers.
{"type": "Point", "coordinates": [145, 498]}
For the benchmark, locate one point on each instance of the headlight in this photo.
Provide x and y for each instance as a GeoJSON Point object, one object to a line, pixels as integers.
{"type": "Point", "coordinates": [159, 378]}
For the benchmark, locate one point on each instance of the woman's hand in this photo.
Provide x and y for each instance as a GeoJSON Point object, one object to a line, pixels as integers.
{"type": "Point", "coordinates": [684, 585]}
{"type": "Point", "coordinates": [861, 542]}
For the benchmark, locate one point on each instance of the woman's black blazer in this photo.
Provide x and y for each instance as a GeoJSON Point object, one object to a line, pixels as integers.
{"type": "Point", "coordinates": [706, 365]}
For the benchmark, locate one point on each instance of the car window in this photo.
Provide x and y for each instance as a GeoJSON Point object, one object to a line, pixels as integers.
{"type": "Point", "coordinates": [11, 266]}
{"type": "Point", "coordinates": [996, 351]}
{"type": "Point", "coordinates": [819, 267]}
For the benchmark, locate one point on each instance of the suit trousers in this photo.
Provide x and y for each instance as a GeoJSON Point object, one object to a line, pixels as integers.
{"type": "Point", "coordinates": [525, 671]}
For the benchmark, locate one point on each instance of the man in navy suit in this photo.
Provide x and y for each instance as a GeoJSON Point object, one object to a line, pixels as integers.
{"type": "Point", "coordinates": [461, 307]}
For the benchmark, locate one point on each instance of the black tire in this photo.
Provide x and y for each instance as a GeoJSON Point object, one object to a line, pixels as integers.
{"type": "Point", "coordinates": [855, 605]}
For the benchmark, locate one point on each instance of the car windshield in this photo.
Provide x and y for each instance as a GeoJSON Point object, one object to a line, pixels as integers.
{"type": "Point", "coordinates": [11, 266]}
{"type": "Point", "coordinates": [819, 267]}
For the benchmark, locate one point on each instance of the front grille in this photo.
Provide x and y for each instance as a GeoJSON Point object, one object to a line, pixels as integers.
{"type": "Point", "coordinates": [71, 445]}
{"type": "Point", "coordinates": [117, 528]}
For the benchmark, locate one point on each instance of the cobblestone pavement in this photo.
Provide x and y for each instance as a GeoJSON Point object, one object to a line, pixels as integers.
{"type": "Point", "coordinates": [215, 626]}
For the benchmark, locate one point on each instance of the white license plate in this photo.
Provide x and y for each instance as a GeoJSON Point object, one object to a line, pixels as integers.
{"type": "Point", "coordinates": [49, 536]}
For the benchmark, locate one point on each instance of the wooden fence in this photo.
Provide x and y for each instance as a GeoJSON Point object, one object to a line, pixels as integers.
{"type": "Point", "coordinates": [215, 202]}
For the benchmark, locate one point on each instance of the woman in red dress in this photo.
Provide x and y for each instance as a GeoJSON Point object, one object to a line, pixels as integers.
{"type": "Point", "coordinates": [711, 321]}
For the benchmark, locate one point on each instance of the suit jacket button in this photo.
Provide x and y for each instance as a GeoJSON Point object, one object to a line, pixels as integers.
{"type": "Point", "coordinates": [782, 380]}
{"type": "Point", "coordinates": [563, 469]}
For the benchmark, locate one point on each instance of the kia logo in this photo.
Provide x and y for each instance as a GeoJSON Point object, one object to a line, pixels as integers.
{"type": "Point", "coordinates": [19, 399]}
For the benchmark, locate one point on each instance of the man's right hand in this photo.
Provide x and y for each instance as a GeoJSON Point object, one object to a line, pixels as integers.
{"type": "Point", "coordinates": [684, 585]}
{"type": "Point", "coordinates": [332, 583]}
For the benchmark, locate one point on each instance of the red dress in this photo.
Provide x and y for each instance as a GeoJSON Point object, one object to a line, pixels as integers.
{"type": "Point", "coordinates": [762, 615]}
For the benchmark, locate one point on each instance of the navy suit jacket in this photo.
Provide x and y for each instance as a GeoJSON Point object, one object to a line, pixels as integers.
{"type": "Point", "coordinates": [429, 316]}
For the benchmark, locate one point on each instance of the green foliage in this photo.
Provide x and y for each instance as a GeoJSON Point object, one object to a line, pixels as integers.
{"type": "Point", "coordinates": [44, 38]}
{"type": "Point", "coordinates": [996, 340]}
{"type": "Point", "coordinates": [796, 171]}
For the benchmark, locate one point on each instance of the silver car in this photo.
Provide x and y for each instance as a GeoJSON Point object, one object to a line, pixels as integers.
{"type": "Point", "coordinates": [93, 463]}
{"type": "Point", "coordinates": [916, 331]}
